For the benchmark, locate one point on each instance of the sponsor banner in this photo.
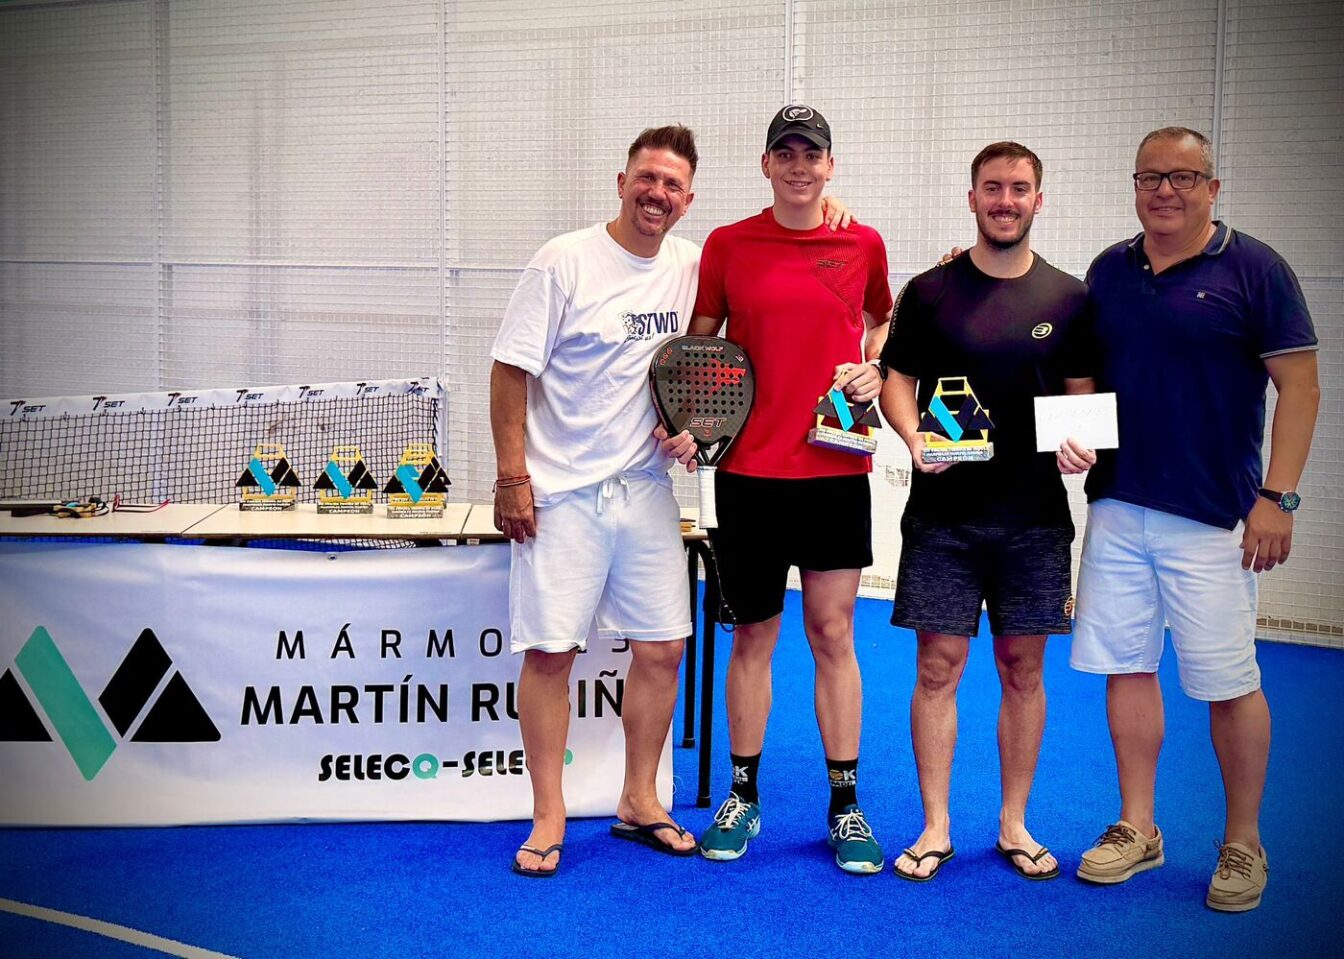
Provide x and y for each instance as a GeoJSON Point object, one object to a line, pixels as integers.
{"type": "Point", "coordinates": [147, 684]}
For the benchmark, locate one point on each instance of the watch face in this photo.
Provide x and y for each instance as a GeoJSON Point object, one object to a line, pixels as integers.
{"type": "Point", "coordinates": [1289, 501]}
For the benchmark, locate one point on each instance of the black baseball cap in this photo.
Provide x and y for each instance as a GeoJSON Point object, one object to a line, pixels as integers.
{"type": "Point", "coordinates": [798, 120]}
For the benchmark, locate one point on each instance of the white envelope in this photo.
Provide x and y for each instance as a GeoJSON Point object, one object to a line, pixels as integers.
{"type": "Point", "coordinates": [1087, 417]}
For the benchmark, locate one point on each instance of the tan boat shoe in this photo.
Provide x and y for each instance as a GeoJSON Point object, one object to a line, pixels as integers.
{"type": "Point", "coordinates": [1239, 879]}
{"type": "Point", "coordinates": [1119, 853]}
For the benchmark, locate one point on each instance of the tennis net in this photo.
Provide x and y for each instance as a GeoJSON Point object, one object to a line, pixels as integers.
{"type": "Point", "coordinates": [191, 446]}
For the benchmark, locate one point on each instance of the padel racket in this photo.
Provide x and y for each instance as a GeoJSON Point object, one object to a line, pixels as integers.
{"type": "Point", "coordinates": [703, 384]}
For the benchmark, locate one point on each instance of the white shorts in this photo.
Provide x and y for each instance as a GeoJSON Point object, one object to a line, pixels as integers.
{"type": "Point", "coordinates": [611, 552]}
{"type": "Point", "coordinates": [1143, 569]}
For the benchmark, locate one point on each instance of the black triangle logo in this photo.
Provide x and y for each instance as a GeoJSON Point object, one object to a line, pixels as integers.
{"type": "Point", "coordinates": [135, 681]}
{"type": "Point", "coordinates": [19, 722]}
{"type": "Point", "coordinates": [928, 423]}
{"type": "Point", "coordinates": [361, 478]}
{"type": "Point", "coordinates": [283, 474]}
{"type": "Point", "coordinates": [980, 421]}
{"type": "Point", "coordinates": [433, 479]}
{"type": "Point", "coordinates": [177, 717]}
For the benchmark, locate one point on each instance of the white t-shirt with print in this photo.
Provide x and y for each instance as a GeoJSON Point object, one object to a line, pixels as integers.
{"type": "Point", "coordinates": [585, 321]}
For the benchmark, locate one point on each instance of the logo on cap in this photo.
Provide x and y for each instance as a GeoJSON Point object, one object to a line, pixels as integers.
{"type": "Point", "coordinates": [794, 114]}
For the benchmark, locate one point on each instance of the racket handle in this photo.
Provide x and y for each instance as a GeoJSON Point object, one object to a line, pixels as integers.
{"type": "Point", "coordinates": [709, 519]}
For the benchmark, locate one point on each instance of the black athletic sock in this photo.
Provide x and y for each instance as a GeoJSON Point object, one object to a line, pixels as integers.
{"type": "Point", "coordinates": [744, 776]}
{"type": "Point", "coordinates": [844, 779]}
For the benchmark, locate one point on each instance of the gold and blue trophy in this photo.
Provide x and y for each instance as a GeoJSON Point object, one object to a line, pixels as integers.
{"type": "Point", "coordinates": [844, 425]}
{"type": "Point", "coordinates": [955, 425]}
{"type": "Point", "coordinates": [268, 481]}
{"type": "Point", "coordinates": [345, 485]}
{"type": "Point", "coordinates": [418, 488]}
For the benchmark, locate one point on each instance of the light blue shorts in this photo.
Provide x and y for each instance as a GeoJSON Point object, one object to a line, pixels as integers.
{"type": "Point", "coordinates": [1143, 569]}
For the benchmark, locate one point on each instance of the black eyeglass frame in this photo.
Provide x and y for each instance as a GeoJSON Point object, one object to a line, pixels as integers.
{"type": "Point", "coordinates": [1197, 174]}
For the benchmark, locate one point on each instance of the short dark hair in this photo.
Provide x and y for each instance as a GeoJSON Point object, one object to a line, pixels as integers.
{"type": "Point", "coordinates": [1006, 150]}
{"type": "Point", "coordinates": [1180, 133]}
{"type": "Point", "coordinates": [676, 138]}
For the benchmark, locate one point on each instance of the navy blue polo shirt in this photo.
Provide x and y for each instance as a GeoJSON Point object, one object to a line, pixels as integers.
{"type": "Point", "coordinates": [1184, 352]}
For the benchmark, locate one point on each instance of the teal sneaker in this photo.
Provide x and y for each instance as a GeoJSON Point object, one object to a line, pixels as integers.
{"type": "Point", "coordinates": [734, 823]}
{"type": "Point", "coordinates": [855, 848]}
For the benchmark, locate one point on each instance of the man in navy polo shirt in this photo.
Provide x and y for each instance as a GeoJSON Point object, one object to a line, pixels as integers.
{"type": "Point", "coordinates": [1193, 319]}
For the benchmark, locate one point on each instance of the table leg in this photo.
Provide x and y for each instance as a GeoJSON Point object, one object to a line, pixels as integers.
{"type": "Point", "coordinates": [693, 579]}
{"type": "Point", "coordinates": [707, 674]}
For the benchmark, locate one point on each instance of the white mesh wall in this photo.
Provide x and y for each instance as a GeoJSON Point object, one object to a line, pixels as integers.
{"type": "Point", "coordinates": [200, 193]}
{"type": "Point", "coordinates": [544, 101]}
{"type": "Point", "coordinates": [76, 322]}
{"type": "Point", "coordinates": [915, 89]}
{"type": "Point", "coordinates": [1305, 599]}
{"type": "Point", "coordinates": [303, 183]}
{"type": "Point", "coordinates": [1281, 134]}
{"type": "Point", "coordinates": [77, 146]}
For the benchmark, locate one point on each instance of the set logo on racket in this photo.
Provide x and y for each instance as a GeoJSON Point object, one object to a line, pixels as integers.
{"type": "Point", "coordinates": [174, 716]}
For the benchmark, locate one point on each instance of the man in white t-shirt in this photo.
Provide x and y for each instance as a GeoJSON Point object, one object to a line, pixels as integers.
{"type": "Point", "coordinates": [583, 490]}
{"type": "Point", "coordinates": [582, 485]}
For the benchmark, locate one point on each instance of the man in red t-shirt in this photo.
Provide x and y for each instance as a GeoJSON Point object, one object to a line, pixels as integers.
{"type": "Point", "coordinates": [811, 308]}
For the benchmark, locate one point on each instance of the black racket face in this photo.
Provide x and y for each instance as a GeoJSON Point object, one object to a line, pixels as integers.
{"type": "Point", "coordinates": [702, 384]}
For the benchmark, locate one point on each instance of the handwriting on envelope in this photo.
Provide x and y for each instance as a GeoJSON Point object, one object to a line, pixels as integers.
{"type": "Point", "coordinates": [1087, 417]}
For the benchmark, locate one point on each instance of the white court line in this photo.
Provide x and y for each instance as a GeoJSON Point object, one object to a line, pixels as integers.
{"type": "Point", "coordinates": [111, 931]}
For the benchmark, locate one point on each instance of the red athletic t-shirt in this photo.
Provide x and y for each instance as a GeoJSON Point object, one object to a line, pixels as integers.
{"type": "Point", "coordinates": [794, 300]}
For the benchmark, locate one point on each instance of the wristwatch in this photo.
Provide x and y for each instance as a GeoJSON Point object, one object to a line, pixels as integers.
{"type": "Point", "coordinates": [877, 364]}
{"type": "Point", "coordinates": [1288, 502]}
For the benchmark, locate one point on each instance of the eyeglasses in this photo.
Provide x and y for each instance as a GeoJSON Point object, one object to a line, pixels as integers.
{"type": "Point", "coordinates": [1179, 179]}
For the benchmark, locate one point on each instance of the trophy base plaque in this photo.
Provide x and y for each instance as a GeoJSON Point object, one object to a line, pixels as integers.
{"type": "Point", "coordinates": [266, 505]}
{"type": "Point", "coordinates": [959, 453]}
{"type": "Point", "coordinates": [345, 508]}
{"type": "Point", "coordinates": [861, 444]}
{"type": "Point", "coordinates": [414, 512]}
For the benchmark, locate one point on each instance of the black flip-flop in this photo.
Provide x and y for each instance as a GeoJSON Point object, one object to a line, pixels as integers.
{"type": "Point", "coordinates": [1033, 876]}
{"type": "Point", "coordinates": [521, 870]}
{"type": "Point", "coordinates": [648, 836]}
{"type": "Point", "coordinates": [942, 855]}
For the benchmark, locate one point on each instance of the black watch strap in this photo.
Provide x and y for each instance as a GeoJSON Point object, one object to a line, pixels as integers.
{"type": "Point", "coordinates": [1287, 501]}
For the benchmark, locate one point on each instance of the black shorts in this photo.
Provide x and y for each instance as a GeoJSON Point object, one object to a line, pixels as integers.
{"type": "Point", "coordinates": [768, 525]}
{"type": "Point", "coordinates": [1022, 574]}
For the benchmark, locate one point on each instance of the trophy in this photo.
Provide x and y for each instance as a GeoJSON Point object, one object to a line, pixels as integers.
{"type": "Point", "coordinates": [842, 425]}
{"type": "Point", "coordinates": [418, 488]}
{"type": "Point", "coordinates": [956, 425]}
{"type": "Point", "coordinates": [346, 485]}
{"type": "Point", "coordinates": [268, 481]}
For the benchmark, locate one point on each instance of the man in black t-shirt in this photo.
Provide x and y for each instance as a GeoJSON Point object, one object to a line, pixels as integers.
{"type": "Point", "coordinates": [999, 531]}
